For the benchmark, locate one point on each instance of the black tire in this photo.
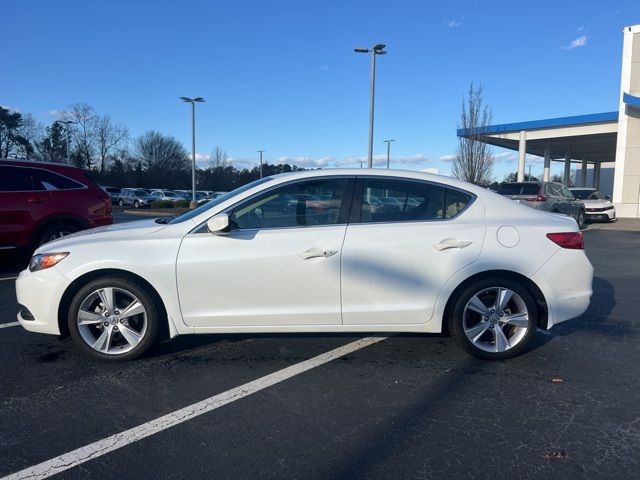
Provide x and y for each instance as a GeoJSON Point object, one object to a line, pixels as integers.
{"type": "Point", "coordinates": [136, 204]}
{"type": "Point", "coordinates": [580, 219]}
{"type": "Point", "coordinates": [57, 230]}
{"type": "Point", "coordinates": [121, 203]}
{"type": "Point", "coordinates": [124, 283]}
{"type": "Point", "coordinates": [456, 320]}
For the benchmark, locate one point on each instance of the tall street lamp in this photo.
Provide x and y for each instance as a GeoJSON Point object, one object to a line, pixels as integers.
{"type": "Point", "coordinates": [193, 102]}
{"type": "Point", "coordinates": [67, 123]}
{"type": "Point", "coordinates": [388, 142]}
{"type": "Point", "coordinates": [261, 152]}
{"type": "Point", "coordinates": [374, 51]}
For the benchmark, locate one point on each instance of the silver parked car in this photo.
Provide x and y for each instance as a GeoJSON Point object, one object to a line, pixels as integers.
{"type": "Point", "coordinates": [136, 197]}
{"type": "Point", "coordinates": [548, 196]}
{"type": "Point", "coordinates": [597, 205]}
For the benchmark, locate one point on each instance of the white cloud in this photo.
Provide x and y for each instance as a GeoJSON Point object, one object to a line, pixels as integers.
{"type": "Point", "coordinates": [10, 108]}
{"type": "Point", "coordinates": [202, 160]}
{"type": "Point", "coordinates": [431, 170]}
{"type": "Point", "coordinates": [504, 157]}
{"type": "Point", "coordinates": [581, 41]}
{"type": "Point", "coordinates": [454, 23]}
{"type": "Point", "coordinates": [447, 158]}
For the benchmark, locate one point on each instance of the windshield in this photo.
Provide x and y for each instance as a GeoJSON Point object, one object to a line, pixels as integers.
{"type": "Point", "coordinates": [217, 201]}
{"type": "Point", "coordinates": [587, 194]}
{"type": "Point", "coordinates": [140, 193]}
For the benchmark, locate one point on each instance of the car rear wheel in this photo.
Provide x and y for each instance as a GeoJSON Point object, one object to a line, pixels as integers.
{"type": "Point", "coordinates": [113, 318]}
{"type": "Point", "coordinates": [121, 203]}
{"type": "Point", "coordinates": [136, 204]}
{"type": "Point", "coordinates": [494, 318]}
{"type": "Point", "coordinates": [57, 230]}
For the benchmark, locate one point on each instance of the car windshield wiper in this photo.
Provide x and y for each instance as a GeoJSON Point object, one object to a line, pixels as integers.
{"type": "Point", "coordinates": [165, 220]}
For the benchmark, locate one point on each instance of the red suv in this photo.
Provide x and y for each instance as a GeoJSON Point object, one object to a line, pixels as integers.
{"type": "Point", "coordinates": [40, 201]}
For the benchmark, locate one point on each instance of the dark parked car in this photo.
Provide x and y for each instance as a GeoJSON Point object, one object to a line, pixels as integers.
{"type": "Point", "coordinates": [41, 201]}
{"type": "Point", "coordinates": [548, 196]}
{"type": "Point", "coordinates": [136, 197]}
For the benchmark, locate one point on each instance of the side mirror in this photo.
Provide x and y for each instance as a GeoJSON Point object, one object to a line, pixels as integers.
{"type": "Point", "coordinates": [607, 197]}
{"type": "Point", "coordinates": [218, 224]}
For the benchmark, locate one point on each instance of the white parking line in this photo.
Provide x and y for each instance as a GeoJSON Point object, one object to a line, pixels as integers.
{"type": "Point", "coordinates": [119, 440]}
{"type": "Point", "coordinates": [8, 278]}
{"type": "Point", "coordinates": [11, 324]}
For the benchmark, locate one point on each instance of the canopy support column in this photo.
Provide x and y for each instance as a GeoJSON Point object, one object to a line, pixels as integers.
{"type": "Point", "coordinates": [583, 181]}
{"type": "Point", "coordinates": [547, 163]}
{"type": "Point", "coordinates": [522, 152]}
{"type": "Point", "coordinates": [567, 168]}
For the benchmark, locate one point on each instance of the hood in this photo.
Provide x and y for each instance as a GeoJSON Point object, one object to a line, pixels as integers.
{"type": "Point", "coordinates": [115, 231]}
{"type": "Point", "coordinates": [601, 202]}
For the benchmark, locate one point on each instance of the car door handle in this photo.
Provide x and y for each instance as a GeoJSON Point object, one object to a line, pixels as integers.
{"type": "Point", "coordinates": [37, 201]}
{"type": "Point", "coordinates": [451, 243]}
{"type": "Point", "coordinates": [316, 253]}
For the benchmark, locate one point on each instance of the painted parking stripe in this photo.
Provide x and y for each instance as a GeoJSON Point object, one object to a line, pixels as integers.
{"type": "Point", "coordinates": [119, 440]}
{"type": "Point", "coordinates": [11, 324]}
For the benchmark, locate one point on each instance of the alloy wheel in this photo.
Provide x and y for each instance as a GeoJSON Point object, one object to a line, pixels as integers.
{"type": "Point", "coordinates": [495, 319]}
{"type": "Point", "coordinates": [112, 320]}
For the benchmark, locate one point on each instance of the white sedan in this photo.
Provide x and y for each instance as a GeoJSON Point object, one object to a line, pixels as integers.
{"type": "Point", "coordinates": [453, 257]}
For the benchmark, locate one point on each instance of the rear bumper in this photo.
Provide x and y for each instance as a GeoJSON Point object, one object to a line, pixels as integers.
{"type": "Point", "coordinates": [566, 283]}
{"type": "Point", "coordinates": [40, 292]}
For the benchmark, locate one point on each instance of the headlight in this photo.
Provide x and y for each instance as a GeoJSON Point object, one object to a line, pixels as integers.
{"type": "Point", "coordinates": [45, 260]}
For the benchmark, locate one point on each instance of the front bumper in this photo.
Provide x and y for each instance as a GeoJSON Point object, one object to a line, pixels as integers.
{"type": "Point", "coordinates": [602, 215]}
{"type": "Point", "coordinates": [566, 282]}
{"type": "Point", "coordinates": [40, 292]}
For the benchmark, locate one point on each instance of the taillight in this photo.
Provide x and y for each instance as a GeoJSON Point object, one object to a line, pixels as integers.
{"type": "Point", "coordinates": [572, 240]}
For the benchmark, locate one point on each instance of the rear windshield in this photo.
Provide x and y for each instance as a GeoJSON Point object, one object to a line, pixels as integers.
{"type": "Point", "coordinates": [518, 189]}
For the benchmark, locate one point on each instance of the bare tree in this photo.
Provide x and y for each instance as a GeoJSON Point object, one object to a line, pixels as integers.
{"type": "Point", "coordinates": [108, 137]}
{"type": "Point", "coordinates": [474, 161]}
{"type": "Point", "coordinates": [219, 158]}
{"type": "Point", "coordinates": [163, 157]}
{"type": "Point", "coordinates": [31, 132]}
{"type": "Point", "coordinates": [83, 131]}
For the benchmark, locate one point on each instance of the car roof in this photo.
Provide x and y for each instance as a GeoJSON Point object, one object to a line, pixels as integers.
{"type": "Point", "coordinates": [583, 188]}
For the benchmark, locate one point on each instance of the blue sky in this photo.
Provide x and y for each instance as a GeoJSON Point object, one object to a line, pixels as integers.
{"type": "Point", "coordinates": [282, 75]}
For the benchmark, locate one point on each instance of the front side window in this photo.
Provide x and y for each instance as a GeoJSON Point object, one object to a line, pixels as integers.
{"type": "Point", "coordinates": [300, 204]}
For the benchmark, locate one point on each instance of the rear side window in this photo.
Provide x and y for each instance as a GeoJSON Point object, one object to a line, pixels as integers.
{"type": "Point", "coordinates": [53, 181]}
{"type": "Point", "coordinates": [392, 200]}
{"type": "Point", "coordinates": [18, 179]}
{"type": "Point", "coordinates": [455, 202]}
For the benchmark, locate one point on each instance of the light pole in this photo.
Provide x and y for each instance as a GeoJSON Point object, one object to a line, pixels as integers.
{"type": "Point", "coordinates": [529, 172]}
{"type": "Point", "coordinates": [193, 102]}
{"type": "Point", "coordinates": [375, 50]}
{"type": "Point", "coordinates": [261, 152]}
{"type": "Point", "coordinates": [67, 123]}
{"type": "Point", "coordinates": [388, 142]}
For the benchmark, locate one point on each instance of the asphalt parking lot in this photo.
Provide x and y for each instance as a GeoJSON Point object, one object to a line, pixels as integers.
{"type": "Point", "coordinates": [406, 406]}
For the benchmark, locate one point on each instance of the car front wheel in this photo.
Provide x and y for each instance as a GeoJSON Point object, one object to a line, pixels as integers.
{"type": "Point", "coordinates": [136, 204]}
{"type": "Point", "coordinates": [121, 203]}
{"type": "Point", "coordinates": [494, 318]}
{"type": "Point", "coordinates": [113, 318]}
{"type": "Point", "coordinates": [580, 218]}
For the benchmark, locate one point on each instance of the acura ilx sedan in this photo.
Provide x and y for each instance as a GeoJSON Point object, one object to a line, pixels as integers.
{"type": "Point", "coordinates": [451, 257]}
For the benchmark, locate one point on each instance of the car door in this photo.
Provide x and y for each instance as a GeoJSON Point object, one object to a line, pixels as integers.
{"type": "Point", "coordinates": [23, 202]}
{"type": "Point", "coordinates": [572, 206]}
{"type": "Point", "coordinates": [394, 263]}
{"type": "Point", "coordinates": [278, 265]}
